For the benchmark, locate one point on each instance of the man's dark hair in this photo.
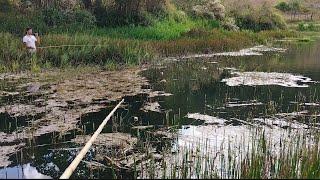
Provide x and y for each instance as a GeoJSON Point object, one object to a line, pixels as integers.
{"type": "Point", "coordinates": [27, 29]}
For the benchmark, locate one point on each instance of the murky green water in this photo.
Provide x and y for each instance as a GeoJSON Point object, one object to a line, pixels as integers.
{"type": "Point", "coordinates": [199, 90]}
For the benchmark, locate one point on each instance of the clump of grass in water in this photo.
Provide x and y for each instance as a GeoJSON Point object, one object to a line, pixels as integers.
{"type": "Point", "coordinates": [305, 39]}
{"type": "Point", "coordinates": [297, 157]}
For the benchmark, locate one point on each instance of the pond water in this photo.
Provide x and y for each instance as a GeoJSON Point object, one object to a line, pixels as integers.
{"type": "Point", "coordinates": [214, 97]}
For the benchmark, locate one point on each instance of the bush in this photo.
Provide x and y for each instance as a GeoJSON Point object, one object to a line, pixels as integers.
{"type": "Point", "coordinates": [230, 24]}
{"type": "Point", "coordinates": [16, 23]}
{"type": "Point", "coordinates": [307, 27]}
{"type": "Point", "coordinates": [62, 18]}
{"type": "Point", "coordinates": [54, 17]}
{"type": "Point", "coordinates": [128, 12]}
{"type": "Point", "coordinates": [283, 6]}
{"type": "Point", "coordinates": [263, 18]}
{"type": "Point", "coordinates": [212, 9]}
{"type": "Point", "coordinates": [50, 19]}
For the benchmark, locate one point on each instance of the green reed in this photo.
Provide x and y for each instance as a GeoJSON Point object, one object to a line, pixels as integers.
{"type": "Point", "coordinates": [297, 157]}
{"type": "Point", "coordinates": [126, 45]}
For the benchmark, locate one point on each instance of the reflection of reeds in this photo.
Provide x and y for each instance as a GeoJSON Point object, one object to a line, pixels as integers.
{"type": "Point", "coordinates": [297, 157]}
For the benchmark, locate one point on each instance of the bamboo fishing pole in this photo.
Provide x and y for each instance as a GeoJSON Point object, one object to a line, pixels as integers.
{"type": "Point", "coordinates": [68, 172]}
{"type": "Point", "coordinates": [71, 45]}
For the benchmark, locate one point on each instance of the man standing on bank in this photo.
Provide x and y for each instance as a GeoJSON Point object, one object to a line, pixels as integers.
{"type": "Point", "coordinates": [30, 40]}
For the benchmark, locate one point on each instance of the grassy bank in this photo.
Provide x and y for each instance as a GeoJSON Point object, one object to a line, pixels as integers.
{"type": "Point", "coordinates": [126, 46]}
{"type": "Point", "coordinates": [121, 33]}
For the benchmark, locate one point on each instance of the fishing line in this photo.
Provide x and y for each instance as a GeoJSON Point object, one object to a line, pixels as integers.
{"type": "Point", "coordinates": [75, 45]}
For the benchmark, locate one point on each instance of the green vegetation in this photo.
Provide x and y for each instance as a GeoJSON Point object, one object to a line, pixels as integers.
{"type": "Point", "coordinates": [258, 19]}
{"type": "Point", "coordinates": [283, 6]}
{"type": "Point", "coordinates": [297, 158]}
{"type": "Point", "coordinates": [168, 29]}
{"type": "Point", "coordinates": [308, 27]}
{"type": "Point", "coordinates": [116, 33]}
{"type": "Point", "coordinates": [97, 50]}
{"type": "Point", "coordinates": [300, 10]}
{"type": "Point", "coordinates": [293, 6]}
{"type": "Point", "coordinates": [126, 32]}
{"type": "Point", "coordinates": [92, 50]}
{"type": "Point", "coordinates": [138, 12]}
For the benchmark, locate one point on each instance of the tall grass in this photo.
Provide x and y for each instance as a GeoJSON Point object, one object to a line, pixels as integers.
{"type": "Point", "coordinates": [217, 40]}
{"type": "Point", "coordinates": [125, 46]}
{"type": "Point", "coordinates": [167, 29]}
{"type": "Point", "coordinates": [92, 50]}
{"type": "Point", "coordinates": [297, 157]}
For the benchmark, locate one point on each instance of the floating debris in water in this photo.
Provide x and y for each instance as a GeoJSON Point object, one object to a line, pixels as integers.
{"type": "Point", "coordinates": [154, 106]}
{"type": "Point", "coordinates": [213, 62]}
{"type": "Point", "coordinates": [163, 81]}
{"type": "Point", "coordinates": [309, 104]}
{"type": "Point", "coordinates": [33, 87]}
{"type": "Point", "coordinates": [109, 140]}
{"type": "Point", "coordinates": [254, 51]}
{"type": "Point", "coordinates": [208, 119]}
{"type": "Point", "coordinates": [142, 127]}
{"type": "Point", "coordinates": [170, 59]}
{"type": "Point", "coordinates": [263, 48]}
{"type": "Point", "coordinates": [5, 93]}
{"type": "Point", "coordinates": [18, 110]}
{"type": "Point", "coordinates": [282, 123]}
{"type": "Point", "coordinates": [300, 113]}
{"type": "Point", "coordinates": [243, 104]}
{"type": "Point", "coordinates": [13, 76]}
{"type": "Point", "coordinates": [107, 144]}
{"type": "Point", "coordinates": [293, 102]}
{"type": "Point", "coordinates": [266, 78]}
{"type": "Point", "coordinates": [58, 102]}
{"type": "Point", "coordinates": [158, 93]}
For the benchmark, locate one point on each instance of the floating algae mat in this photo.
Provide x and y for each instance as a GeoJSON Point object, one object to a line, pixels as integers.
{"type": "Point", "coordinates": [267, 78]}
{"type": "Point", "coordinates": [177, 115]}
{"type": "Point", "coordinates": [254, 51]}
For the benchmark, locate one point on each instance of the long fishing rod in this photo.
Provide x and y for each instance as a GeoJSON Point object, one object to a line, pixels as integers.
{"type": "Point", "coordinates": [68, 172]}
{"type": "Point", "coordinates": [72, 45]}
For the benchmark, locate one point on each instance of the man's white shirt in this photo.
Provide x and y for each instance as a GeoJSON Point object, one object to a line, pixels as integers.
{"type": "Point", "coordinates": [30, 41]}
